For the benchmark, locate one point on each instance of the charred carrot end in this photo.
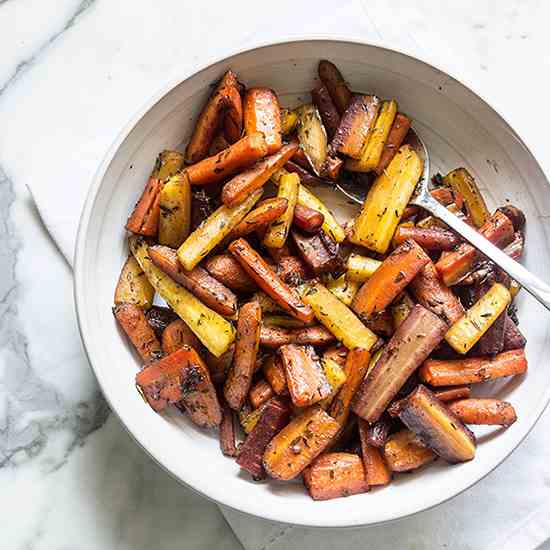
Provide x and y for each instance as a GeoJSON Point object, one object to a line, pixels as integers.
{"type": "Point", "coordinates": [132, 320]}
{"type": "Point", "coordinates": [210, 119]}
{"type": "Point", "coordinates": [263, 114]}
{"type": "Point", "coordinates": [452, 267]}
{"type": "Point", "coordinates": [411, 344]}
{"type": "Point", "coordinates": [241, 154]}
{"type": "Point", "coordinates": [299, 443]}
{"type": "Point", "coordinates": [335, 475]}
{"type": "Point", "coordinates": [144, 220]}
{"type": "Point", "coordinates": [404, 451]}
{"type": "Point", "coordinates": [398, 131]}
{"type": "Point", "coordinates": [266, 212]}
{"type": "Point", "coordinates": [305, 376]}
{"type": "Point", "coordinates": [437, 426]}
{"type": "Point", "coordinates": [307, 219]}
{"type": "Point", "coordinates": [237, 189]}
{"type": "Point", "coordinates": [264, 276]}
{"type": "Point", "coordinates": [457, 372]}
{"type": "Point", "coordinates": [395, 273]}
{"type": "Point", "coordinates": [273, 417]}
{"type": "Point", "coordinates": [247, 343]}
{"type": "Point", "coordinates": [484, 411]}
{"type": "Point", "coordinates": [377, 471]}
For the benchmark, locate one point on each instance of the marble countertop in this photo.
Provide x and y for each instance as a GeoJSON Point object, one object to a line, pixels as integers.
{"type": "Point", "coordinates": [71, 74]}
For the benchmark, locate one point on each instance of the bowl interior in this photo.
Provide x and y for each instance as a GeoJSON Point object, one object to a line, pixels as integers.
{"type": "Point", "coordinates": [459, 129]}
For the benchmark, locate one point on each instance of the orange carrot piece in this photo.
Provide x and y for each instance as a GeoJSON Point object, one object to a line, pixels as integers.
{"type": "Point", "coordinates": [484, 411]}
{"type": "Point", "coordinates": [395, 273]}
{"type": "Point", "coordinates": [134, 323]}
{"type": "Point", "coordinates": [260, 393]}
{"type": "Point", "coordinates": [144, 219]}
{"type": "Point", "coordinates": [452, 394]}
{"type": "Point", "coordinates": [377, 471]}
{"type": "Point", "coordinates": [429, 238]}
{"type": "Point", "coordinates": [335, 475]}
{"type": "Point", "coordinates": [262, 113]}
{"type": "Point", "coordinates": [275, 375]}
{"type": "Point", "coordinates": [237, 189]}
{"type": "Point", "coordinates": [452, 267]}
{"type": "Point", "coordinates": [457, 372]}
{"type": "Point", "coordinates": [264, 276]}
{"type": "Point", "coordinates": [266, 212]}
{"type": "Point", "coordinates": [176, 335]}
{"type": "Point", "coordinates": [241, 154]}
{"type": "Point", "coordinates": [399, 129]}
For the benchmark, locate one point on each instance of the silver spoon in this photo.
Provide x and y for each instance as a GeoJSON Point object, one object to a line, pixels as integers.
{"type": "Point", "coordinates": [422, 197]}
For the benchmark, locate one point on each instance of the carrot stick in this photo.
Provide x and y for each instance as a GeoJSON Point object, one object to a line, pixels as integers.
{"type": "Point", "coordinates": [210, 118]}
{"type": "Point", "coordinates": [275, 337]}
{"type": "Point", "coordinates": [307, 219]}
{"type": "Point", "coordinates": [484, 411]}
{"type": "Point", "coordinates": [429, 238]}
{"type": "Point", "coordinates": [395, 273]}
{"type": "Point", "coordinates": [335, 475]}
{"type": "Point", "coordinates": [144, 219]}
{"type": "Point", "coordinates": [456, 372]}
{"type": "Point", "coordinates": [227, 432]}
{"type": "Point", "coordinates": [452, 267]}
{"type": "Point", "coordinates": [451, 394]}
{"type": "Point", "coordinates": [176, 335]}
{"type": "Point", "coordinates": [261, 216]}
{"type": "Point", "coordinates": [399, 129]}
{"type": "Point", "coordinates": [328, 111]}
{"type": "Point", "coordinates": [134, 323]}
{"type": "Point", "coordinates": [241, 154]}
{"type": "Point", "coordinates": [260, 393]}
{"type": "Point", "coordinates": [376, 469]}
{"type": "Point", "coordinates": [263, 114]}
{"type": "Point", "coordinates": [275, 375]}
{"type": "Point", "coordinates": [229, 272]}
{"type": "Point", "coordinates": [268, 281]}
{"type": "Point", "coordinates": [240, 187]}
{"type": "Point", "coordinates": [247, 342]}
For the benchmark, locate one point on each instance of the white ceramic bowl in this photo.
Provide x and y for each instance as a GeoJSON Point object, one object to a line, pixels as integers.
{"type": "Point", "coordinates": [459, 129]}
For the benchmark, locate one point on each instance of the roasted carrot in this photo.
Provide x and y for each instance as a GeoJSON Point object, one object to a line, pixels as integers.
{"type": "Point", "coordinates": [404, 451]}
{"type": "Point", "coordinates": [395, 273]}
{"type": "Point", "coordinates": [247, 342]}
{"type": "Point", "coordinates": [307, 178]}
{"type": "Point", "coordinates": [318, 251]}
{"type": "Point", "coordinates": [266, 212]}
{"type": "Point", "coordinates": [241, 154]}
{"type": "Point", "coordinates": [227, 431]}
{"type": "Point", "coordinates": [133, 286]}
{"type": "Point", "coordinates": [233, 119]}
{"type": "Point", "coordinates": [430, 291]}
{"type": "Point", "coordinates": [398, 131]}
{"type": "Point", "coordinates": [275, 337]}
{"type": "Point", "coordinates": [513, 338]}
{"type": "Point", "coordinates": [515, 215]}
{"type": "Point", "coordinates": [240, 187]}
{"type": "Point", "coordinates": [328, 111]}
{"type": "Point", "coordinates": [210, 118]}
{"type": "Point", "coordinates": [144, 220]}
{"type": "Point", "coordinates": [272, 418]}
{"type": "Point", "coordinates": [219, 366]}
{"type": "Point", "coordinates": [452, 394]}
{"type": "Point", "coordinates": [377, 432]}
{"type": "Point", "coordinates": [260, 393]}
{"type": "Point", "coordinates": [306, 380]}
{"type": "Point", "coordinates": [452, 267]}
{"type": "Point", "coordinates": [411, 344]}
{"type": "Point", "coordinates": [456, 372]}
{"type": "Point", "coordinates": [336, 85]}
{"type": "Point", "coordinates": [484, 411]}
{"type": "Point", "coordinates": [307, 219]}
{"type": "Point", "coordinates": [432, 238]}
{"type": "Point", "coordinates": [229, 272]}
{"type": "Point", "coordinates": [377, 471]}
{"type": "Point", "coordinates": [337, 353]}
{"type": "Point", "coordinates": [176, 335]}
{"type": "Point", "coordinates": [356, 366]}
{"type": "Point", "coordinates": [355, 126]}
{"type": "Point", "coordinates": [335, 475]}
{"type": "Point", "coordinates": [263, 114]}
{"type": "Point", "coordinates": [275, 374]}
{"type": "Point", "coordinates": [267, 280]}
{"type": "Point", "coordinates": [299, 443]}
{"type": "Point", "coordinates": [293, 271]}
{"type": "Point", "coordinates": [437, 426]}
{"type": "Point", "coordinates": [132, 320]}
{"type": "Point", "coordinates": [212, 292]}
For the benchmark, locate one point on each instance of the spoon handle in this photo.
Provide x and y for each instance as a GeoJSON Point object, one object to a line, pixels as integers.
{"type": "Point", "coordinates": [535, 286]}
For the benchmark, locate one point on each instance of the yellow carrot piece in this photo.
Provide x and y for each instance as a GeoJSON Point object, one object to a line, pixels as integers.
{"type": "Point", "coordinates": [277, 231]}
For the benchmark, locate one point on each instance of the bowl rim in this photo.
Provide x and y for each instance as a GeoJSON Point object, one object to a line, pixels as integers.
{"type": "Point", "coordinates": [177, 77]}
